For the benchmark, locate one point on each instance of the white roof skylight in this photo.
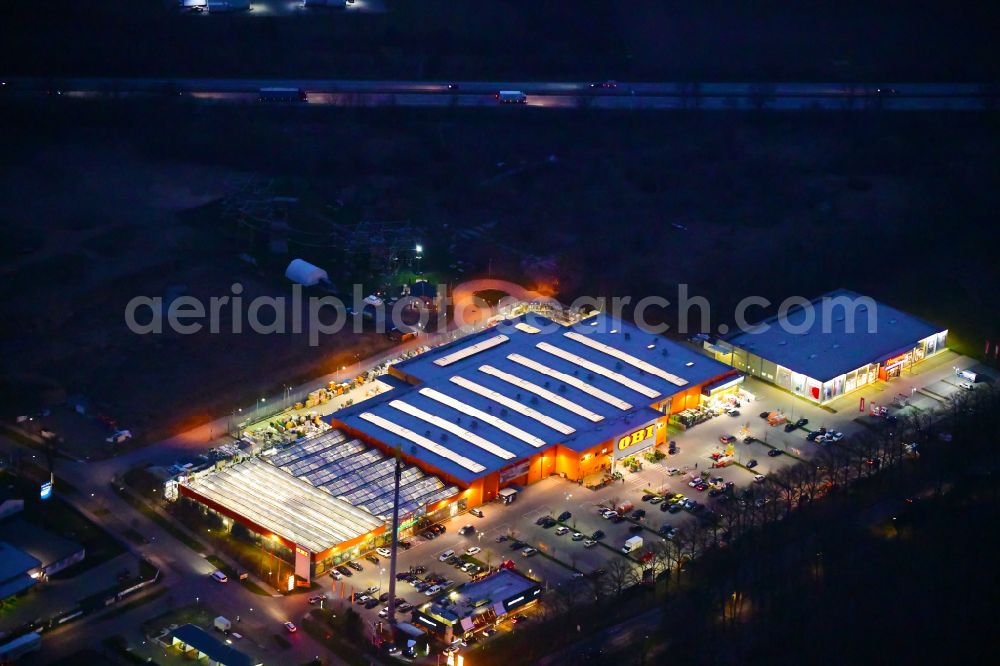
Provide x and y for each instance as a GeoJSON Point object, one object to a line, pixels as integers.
{"type": "Point", "coordinates": [513, 405]}
{"type": "Point", "coordinates": [485, 417]}
{"type": "Point", "coordinates": [554, 398]}
{"type": "Point", "coordinates": [570, 380]}
{"type": "Point", "coordinates": [470, 350]}
{"type": "Point", "coordinates": [445, 424]}
{"type": "Point", "coordinates": [598, 369]}
{"type": "Point", "coordinates": [423, 442]}
{"type": "Point", "coordinates": [627, 358]}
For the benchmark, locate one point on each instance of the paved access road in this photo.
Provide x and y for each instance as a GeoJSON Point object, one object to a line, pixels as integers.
{"type": "Point", "coordinates": [649, 95]}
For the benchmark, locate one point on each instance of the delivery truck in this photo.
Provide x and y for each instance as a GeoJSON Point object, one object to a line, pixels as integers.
{"type": "Point", "coordinates": [632, 544]}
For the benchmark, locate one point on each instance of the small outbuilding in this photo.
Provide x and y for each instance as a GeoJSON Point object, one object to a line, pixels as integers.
{"type": "Point", "coordinates": [302, 272]}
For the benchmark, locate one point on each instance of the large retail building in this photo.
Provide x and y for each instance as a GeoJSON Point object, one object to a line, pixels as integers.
{"type": "Point", "coordinates": [836, 344]}
{"type": "Point", "coordinates": [503, 407]}
{"type": "Point", "coordinates": [531, 398]}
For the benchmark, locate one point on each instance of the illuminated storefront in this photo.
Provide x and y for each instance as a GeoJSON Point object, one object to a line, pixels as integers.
{"type": "Point", "coordinates": [822, 362]}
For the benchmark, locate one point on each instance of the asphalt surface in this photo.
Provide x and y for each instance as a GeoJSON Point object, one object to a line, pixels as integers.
{"type": "Point", "coordinates": [653, 96]}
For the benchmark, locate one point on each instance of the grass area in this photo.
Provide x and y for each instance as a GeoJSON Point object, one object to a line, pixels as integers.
{"type": "Point", "coordinates": [337, 632]}
{"type": "Point", "coordinates": [167, 526]}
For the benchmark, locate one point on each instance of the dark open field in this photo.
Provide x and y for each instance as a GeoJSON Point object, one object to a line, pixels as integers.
{"type": "Point", "coordinates": [640, 40]}
{"type": "Point", "coordinates": [94, 196]}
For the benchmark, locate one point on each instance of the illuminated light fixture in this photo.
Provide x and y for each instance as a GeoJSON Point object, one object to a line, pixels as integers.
{"type": "Point", "coordinates": [423, 442]}
{"type": "Point", "coordinates": [599, 369]}
{"type": "Point", "coordinates": [689, 363]}
{"type": "Point", "coordinates": [651, 346]}
{"type": "Point", "coordinates": [530, 387]}
{"type": "Point", "coordinates": [527, 328]}
{"type": "Point", "coordinates": [571, 380]}
{"type": "Point", "coordinates": [627, 358]}
{"type": "Point", "coordinates": [513, 405]}
{"type": "Point", "coordinates": [471, 350]}
{"type": "Point", "coordinates": [457, 430]}
{"type": "Point", "coordinates": [494, 421]}
{"type": "Point", "coordinates": [614, 330]}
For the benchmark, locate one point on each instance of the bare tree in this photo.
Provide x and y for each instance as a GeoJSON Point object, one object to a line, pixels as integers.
{"type": "Point", "coordinates": [618, 574]}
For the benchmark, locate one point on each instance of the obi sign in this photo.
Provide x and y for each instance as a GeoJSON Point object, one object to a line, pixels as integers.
{"type": "Point", "coordinates": [641, 435]}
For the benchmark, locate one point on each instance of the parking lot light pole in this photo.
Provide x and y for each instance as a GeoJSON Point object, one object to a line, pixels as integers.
{"type": "Point", "coordinates": [395, 538]}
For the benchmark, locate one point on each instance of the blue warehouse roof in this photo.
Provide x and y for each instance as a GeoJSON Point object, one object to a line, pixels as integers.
{"type": "Point", "coordinates": [824, 351]}
{"type": "Point", "coordinates": [499, 396]}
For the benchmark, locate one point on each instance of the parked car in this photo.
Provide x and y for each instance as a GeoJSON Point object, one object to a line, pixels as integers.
{"type": "Point", "coordinates": [647, 497]}
{"type": "Point", "coordinates": [759, 478]}
{"type": "Point", "coordinates": [655, 499]}
{"type": "Point", "coordinates": [371, 603]}
{"type": "Point", "coordinates": [290, 627]}
{"type": "Point", "coordinates": [639, 514]}
{"type": "Point", "coordinates": [589, 543]}
{"type": "Point", "coordinates": [467, 530]}
{"type": "Point", "coordinates": [344, 571]}
{"type": "Point", "coordinates": [564, 516]}
{"type": "Point", "coordinates": [438, 529]}
{"type": "Point", "coordinates": [220, 577]}
{"type": "Point", "coordinates": [517, 545]}
{"type": "Point", "coordinates": [764, 415]}
{"type": "Point", "coordinates": [427, 534]}
{"type": "Point", "coordinates": [635, 528]}
{"type": "Point", "coordinates": [384, 552]}
{"type": "Point", "coordinates": [472, 550]}
{"type": "Point", "coordinates": [541, 520]}
{"type": "Point", "coordinates": [790, 426]}
{"type": "Point", "coordinates": [751, 463]}
{"type": "Point", "coordinates": [727, 439]}
{"type": "Point", "coordinates": [577, 536]}
{"type": "Point", "coordinates": [406, 545]}
{"type": "Point", "coordinates": [528, 552]}
{"type": "Point", "coordinates": [732, 411]}
{"type": "Point", "coordinates": [476, 512]}
{"type": "Point", "coordinates": [562, 529]}
{"type": "Point", "coordinates": [598, 535]}
{"type": "Point", "coordinates": [774, 453]}
{"type": "Point", "coordinates": [501, 538]}
{"type": "Point", "coordinates": [372, 559]}
{"type": "Point", "coordinates": [665, 506]}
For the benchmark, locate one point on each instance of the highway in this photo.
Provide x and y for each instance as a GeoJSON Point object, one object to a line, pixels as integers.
{"type": "Point", "coordinates": [556, 95]}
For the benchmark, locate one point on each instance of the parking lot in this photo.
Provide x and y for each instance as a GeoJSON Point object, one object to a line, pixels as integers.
{"type": "Point", "coordinates": [503, 527]}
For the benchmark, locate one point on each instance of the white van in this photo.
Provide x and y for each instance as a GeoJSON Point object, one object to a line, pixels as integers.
{"type": "Point", "coordinates": [220, 577]}
{"type": "Point", "coordinates": [445, 555]}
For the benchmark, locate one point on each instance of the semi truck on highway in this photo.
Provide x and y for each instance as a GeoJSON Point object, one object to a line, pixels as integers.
{"type": "Point", "coordinates": [511, 97]}
{"type": "Point", "coordinates": [282, 95]}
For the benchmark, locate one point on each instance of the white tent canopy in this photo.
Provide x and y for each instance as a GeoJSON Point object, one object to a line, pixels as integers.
{"type": "Point", "coordinates": [304, 273]}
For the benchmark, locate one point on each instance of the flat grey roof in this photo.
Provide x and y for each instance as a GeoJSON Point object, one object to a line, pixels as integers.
{"type": "Point", "coordinates": [831, 346]}
{"type": "Point", "coordinates": [41, 544]}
